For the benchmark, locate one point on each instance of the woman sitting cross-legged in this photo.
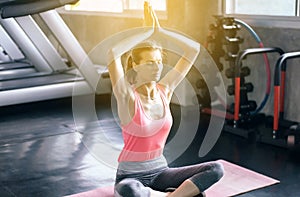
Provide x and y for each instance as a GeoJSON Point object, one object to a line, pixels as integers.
{"type": "Point", "coordinates": [143, 99]}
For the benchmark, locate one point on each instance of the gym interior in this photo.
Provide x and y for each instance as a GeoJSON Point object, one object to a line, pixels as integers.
{"type": "Point", "coordinates": [59, 131]}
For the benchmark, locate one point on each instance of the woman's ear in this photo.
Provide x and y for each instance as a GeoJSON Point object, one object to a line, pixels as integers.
{"type": "Point", "coordinates": [134, 66]}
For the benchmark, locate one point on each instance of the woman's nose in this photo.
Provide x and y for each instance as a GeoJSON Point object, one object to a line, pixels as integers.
{"type": "Point", "coordinates": [157, 66]}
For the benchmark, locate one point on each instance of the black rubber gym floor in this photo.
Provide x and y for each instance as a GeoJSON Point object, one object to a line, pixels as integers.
{"type": "Point", "coordinates": [41, 155]}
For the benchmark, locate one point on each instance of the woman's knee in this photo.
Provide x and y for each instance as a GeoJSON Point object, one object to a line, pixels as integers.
{"type": "Point", "coordinates": [218, 170]}
{"type": "Point", "coordinates": [131, 188]}
{"type": "Point", "coordinates": [213, 173]}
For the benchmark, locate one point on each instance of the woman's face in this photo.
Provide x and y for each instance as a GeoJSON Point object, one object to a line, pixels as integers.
{"type": "Point", "coordinates": [150, 65]}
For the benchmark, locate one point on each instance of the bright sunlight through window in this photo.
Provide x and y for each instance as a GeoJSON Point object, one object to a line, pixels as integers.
{"type": "Point", "coordinates": [263, 7]}
{"type": "Point", "coordinates": [115, 6]}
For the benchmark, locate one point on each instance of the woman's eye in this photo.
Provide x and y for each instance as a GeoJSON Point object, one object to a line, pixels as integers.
{"type": "Point", "coordinates": [150, 62]}
{"type": "Point", "coordinates": [155, 62]}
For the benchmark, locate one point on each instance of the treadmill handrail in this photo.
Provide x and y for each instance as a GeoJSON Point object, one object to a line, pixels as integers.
{"type": "Point", "coordinates": [73, 48]}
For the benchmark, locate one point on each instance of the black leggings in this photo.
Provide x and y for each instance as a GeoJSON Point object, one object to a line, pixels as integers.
{"type": "Point", "coordinates": [202, 175]}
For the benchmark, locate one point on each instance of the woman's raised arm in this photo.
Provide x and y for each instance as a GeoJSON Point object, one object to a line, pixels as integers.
{"type": "Point", "coordinates": [191, 50]}
{"type": "Point", "coordinates": [114, 63]}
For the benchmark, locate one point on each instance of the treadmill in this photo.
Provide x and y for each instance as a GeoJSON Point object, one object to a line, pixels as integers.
{"type": "Point", "coordinates": [40, 58]}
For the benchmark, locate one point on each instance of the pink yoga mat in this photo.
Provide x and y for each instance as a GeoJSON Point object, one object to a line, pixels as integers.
{"type": "Point", "coordinates": [236, 180]}
{"type": "Point", "coordinates": [107, 191]}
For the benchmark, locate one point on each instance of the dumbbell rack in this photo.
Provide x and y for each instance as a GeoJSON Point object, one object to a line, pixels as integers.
{"type": "Point", "coordinates": [224, 43]}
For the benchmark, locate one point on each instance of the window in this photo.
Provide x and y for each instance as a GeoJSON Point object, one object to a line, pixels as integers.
{"type": "Point", "coordinates": [263, 7]}
{"type": "Point", "coordinates": [97, 5]}
{"type": "Point", "coordinates": [265, 13]}
{"type": "Point", "coordinates": [115, 6]}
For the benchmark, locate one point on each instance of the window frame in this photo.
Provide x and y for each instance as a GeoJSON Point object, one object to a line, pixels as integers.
{"type": "Point", "coordinates": [268, 20]}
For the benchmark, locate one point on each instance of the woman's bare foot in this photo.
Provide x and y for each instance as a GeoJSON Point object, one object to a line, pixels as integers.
{"type": "Point", "coordinates": [154, 193]}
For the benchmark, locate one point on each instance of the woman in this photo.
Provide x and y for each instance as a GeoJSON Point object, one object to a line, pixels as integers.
{"type": "Point", "coordinates": [143, 99]}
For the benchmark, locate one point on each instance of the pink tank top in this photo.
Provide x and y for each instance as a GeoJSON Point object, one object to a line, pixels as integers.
{"type": "Point", "coordinates": [145, 138]}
